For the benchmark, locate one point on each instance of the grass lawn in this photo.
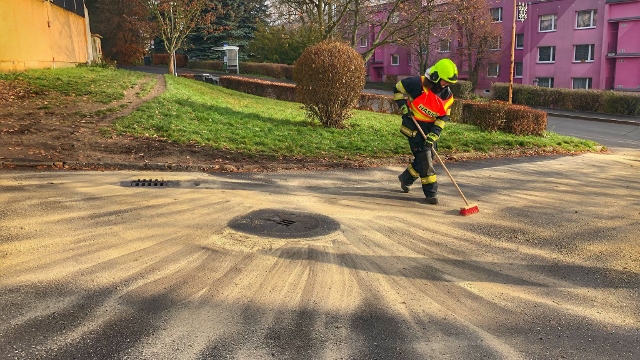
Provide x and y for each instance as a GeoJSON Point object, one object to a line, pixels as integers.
{"type": "Point", "coordinates": [196, 112]}
{"type": "Point", "coordinates": [199, 113]}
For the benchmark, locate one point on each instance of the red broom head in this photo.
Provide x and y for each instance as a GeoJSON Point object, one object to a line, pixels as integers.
{"type": "Point", "coordinates": [469, 210]}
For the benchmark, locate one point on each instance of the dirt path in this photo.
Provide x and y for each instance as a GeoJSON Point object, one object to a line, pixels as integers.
{"type": "Point", "coordinates": [91, 267]}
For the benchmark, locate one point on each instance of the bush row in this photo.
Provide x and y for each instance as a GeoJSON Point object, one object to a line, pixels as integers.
{"type": "Point", "coordinates": [262, 88]}
{"type": "Point", "coordinates": [500, 115]}
{"type": "Point", "coordinates": [276, 71]}
{"type": "Point", "coordinates": [490, 116]}
{"type": "Point", "coordinates": [602, 101]}
{"type": "Point", "coordinates": [163, 59]}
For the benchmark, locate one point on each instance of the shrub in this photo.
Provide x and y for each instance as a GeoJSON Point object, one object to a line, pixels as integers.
{"type": "Point", "coordinates": [463, 89]}
{"type": "Point", "coordinates": [621, 103]}
{"type": "Point", "coordinates": [163, 59]}
{"type": "Point", "coordinates": [263, 88]}
{"type": "Point", "coordinates": [500, 115]}
{"type": "Point", "coordinates": [329, 78]}
{"type": "Point", "coordinates": [603, 101]}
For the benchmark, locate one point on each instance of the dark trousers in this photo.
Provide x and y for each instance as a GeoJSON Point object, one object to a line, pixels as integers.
{"type": "Point", "coordinates": [422, 165]}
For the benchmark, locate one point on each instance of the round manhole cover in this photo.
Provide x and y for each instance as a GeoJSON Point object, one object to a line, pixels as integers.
{"type": "Point", "coordinates": [284, 224]}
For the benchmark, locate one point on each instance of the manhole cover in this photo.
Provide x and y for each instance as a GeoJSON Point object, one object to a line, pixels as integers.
{"type": "Point", "coordinates": [284, 224]}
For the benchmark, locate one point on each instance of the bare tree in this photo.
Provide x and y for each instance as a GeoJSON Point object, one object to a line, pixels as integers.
{"type": "Point", "coordinates": [478, 36]}
{"type": "Point", "coordinates": [389, 22]}
{"type": "Point", "coordinates": [176, 19]}
{"type": "Point", "coordinates": [350, 19]}
{"type": "Point", "coordinates": [432, 34]}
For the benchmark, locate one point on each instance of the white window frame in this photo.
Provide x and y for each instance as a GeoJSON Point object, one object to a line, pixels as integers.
{"type": "Point", "coordinates": [589, 83]}
{"type": "Point", "coordinates": [515, 69]}
{"type": "Point", "coordinates": [395, 60]}
{"type": "Point", "coordinates": [499, 14]}
{"type": "Point", "coordinates": [590, 57]}
{"type": "Point", "coordinates": [445, 45]}
{"type": "Point", "coordinates": [496, 70]}
{"type": "Point", "coordinates": [363, 42]}
{"type": "Point", "coordinates": [552, 55]}
{"type": "Point", "coordinates": [498, 44]}
{"type": "Point", "coordinates": [592, 18]}
{"type": "Point", "coordinates": [547, 83]}
{"type": "Point", "coordinates": [521, 36]}
{"type": "Point", "coordinates": [554, 22]}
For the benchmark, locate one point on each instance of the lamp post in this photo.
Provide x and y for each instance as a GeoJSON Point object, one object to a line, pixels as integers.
{"type": "Point", "coordinates": [522, 9]}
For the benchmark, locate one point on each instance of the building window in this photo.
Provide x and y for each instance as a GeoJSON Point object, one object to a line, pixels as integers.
{"type": "Point", "coordinates": [395, 59]}
{"type": "Point", "coordinates": [581, 83]}
{"type": "Point", "coordinates": [493, 70]}
{"type": "Point", "coordinates": [548, 22]}
{"type": "Point", "coordinates": [459, 42]}
{"type": "Point", "coordinates": [519, 41]}
{"type": "Point", "coordinates": [445, 45]}
{"type": "Point", "coordinates": [496, 14]}
{"type": "Point", "coordinates": [517, 70]}
{"type": "Point", "coordinates": [363, 42]}
{"type": "Point", "coordinates": [586, 19]}
{"type": "Point", "coordinates": [495, 44]}
{"type": "Point", "coordinates": [546, 54]}
{"type": "Point", "coordinates": [583, 53]}
{"type": "Point", "coordinates": [545, 82]}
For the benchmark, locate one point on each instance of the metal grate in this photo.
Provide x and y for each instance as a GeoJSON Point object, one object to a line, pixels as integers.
{"type": "Point", "coordinates": [281, 221]}
{"type": "Point", "coordinates": [149, 182]}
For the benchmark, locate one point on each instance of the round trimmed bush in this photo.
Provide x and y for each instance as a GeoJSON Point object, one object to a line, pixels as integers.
{"type": "Point", "coordinates": [329, 79]}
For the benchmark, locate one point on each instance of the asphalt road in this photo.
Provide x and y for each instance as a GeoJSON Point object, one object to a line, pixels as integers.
{"type": "Point", "coordinates": [326, 264]}
{"type": "Point", "coordinates": [323, 265]}
{"type": "Point", "coordinates": [606, 133]}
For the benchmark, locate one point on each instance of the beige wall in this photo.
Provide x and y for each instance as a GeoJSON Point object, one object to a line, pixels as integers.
{"type": "Point", "coordinates": [38, 34]}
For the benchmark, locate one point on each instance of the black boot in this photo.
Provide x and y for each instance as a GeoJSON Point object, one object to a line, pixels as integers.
{"type": "Point", "coordinates": [432, 200]}
{"type": "Point", "coordinates": [403, 186]}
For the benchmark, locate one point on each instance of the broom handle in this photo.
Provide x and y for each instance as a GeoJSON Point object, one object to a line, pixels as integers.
{"type": "Point", "coordinates": [441, 162]}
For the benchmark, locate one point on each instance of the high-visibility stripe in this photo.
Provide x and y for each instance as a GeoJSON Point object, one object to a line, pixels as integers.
{"type": "Point", "coordinates": [401, 88]}
{"type": "Point", "coordinates": [398, 96]}
{"type": "Point", "coordinates": [447, 104]}
{"type": "Point", "coordinates": [408, 132]}
{"type": "Point", "coordinates": [413, 171]}
{"type": "Point", "coordinates": [439, 123]}
{"type": "Point", "coordinates": [428, 179]}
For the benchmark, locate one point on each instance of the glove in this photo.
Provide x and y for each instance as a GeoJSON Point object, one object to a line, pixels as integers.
{"type": "Point", "coordinates": [404, 109]}
{"type": "Point", "coordinates": [431, 138]}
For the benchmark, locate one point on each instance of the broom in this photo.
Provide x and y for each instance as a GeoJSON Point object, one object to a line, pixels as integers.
{"type": "Point", "coordinates": [464, 211]}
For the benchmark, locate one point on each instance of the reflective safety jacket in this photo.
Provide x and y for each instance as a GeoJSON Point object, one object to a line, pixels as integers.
{"type": "Point", "coordinates": [426, 105]}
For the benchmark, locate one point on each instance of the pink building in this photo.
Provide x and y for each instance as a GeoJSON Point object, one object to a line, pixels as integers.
{"type": "Point", "coordinates": [575, 44]}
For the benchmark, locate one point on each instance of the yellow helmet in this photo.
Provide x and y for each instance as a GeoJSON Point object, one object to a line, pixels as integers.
{"type": "Point", "coordinates": [444, 69]}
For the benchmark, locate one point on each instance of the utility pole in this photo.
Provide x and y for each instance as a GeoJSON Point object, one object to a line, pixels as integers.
{"type": "Point", "coordinates": [513, 50]}
{"type": "Point", "coordinates": [519, 13]}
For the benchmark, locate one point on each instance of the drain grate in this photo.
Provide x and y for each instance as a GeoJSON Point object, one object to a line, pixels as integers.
{"type": "Point", "coordinates": [284, 224]}
{"type": "Point", "coordinates": [145, 182]}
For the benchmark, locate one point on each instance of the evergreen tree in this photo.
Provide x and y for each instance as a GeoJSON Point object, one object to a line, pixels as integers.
{"type": "Point", "coordinates": [280, 44]}
{"type": "Point", "coordinates": [235, 24]}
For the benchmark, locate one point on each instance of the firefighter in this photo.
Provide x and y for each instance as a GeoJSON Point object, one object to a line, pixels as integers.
{"type": "Point", "coordinates": [428, 99]}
